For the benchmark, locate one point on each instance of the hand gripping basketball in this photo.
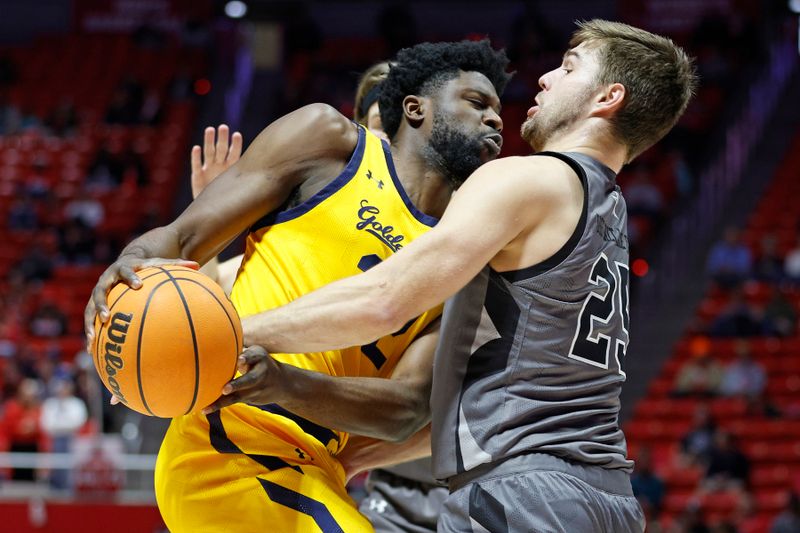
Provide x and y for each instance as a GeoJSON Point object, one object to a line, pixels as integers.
{"type": "Point", "coordinates": [122, 270]}
{"type": "Point", "coordinates": [260, 383]}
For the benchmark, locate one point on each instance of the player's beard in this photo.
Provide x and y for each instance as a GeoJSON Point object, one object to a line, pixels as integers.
{"type": "Point", "coordinates": [452, 152]}
{"type": "Point", "coordinates": [554, 118]}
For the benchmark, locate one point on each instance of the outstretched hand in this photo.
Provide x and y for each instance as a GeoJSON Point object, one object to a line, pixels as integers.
{"type": "Point", "coordinates": [214, 158]}
{"type": "Point", "coordinates": [259, 383]}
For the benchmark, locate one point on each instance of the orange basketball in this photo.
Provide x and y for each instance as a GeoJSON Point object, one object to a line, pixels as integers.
{"type": "Point", "coordinates": [170, 346]}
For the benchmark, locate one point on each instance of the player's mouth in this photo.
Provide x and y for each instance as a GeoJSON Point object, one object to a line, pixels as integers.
{"type": "Point", "coordinates": [494, 142]}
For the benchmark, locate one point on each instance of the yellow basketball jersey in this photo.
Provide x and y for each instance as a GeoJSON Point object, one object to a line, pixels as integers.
{"type": "Point", "coordinates": [360, 218]}
{"type": "Point", "coordinates": [356, 221]}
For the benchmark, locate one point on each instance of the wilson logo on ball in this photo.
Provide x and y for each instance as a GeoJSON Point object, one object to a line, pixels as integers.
{"type": "Point", "coordinates": [117, 331]}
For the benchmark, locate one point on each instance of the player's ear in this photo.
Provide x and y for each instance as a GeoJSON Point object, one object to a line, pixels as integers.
{"type": "Point", "coordinates": [414, 108]}
{"type": "Point", "coordinates": [609, 100]}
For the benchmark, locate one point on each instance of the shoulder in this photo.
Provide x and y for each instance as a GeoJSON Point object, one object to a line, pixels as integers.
{"type": "Point", "coordinates": [324, 122]}
{"type": "Point", "coordinates": [531, 177]}
{"type": "Point", "coordinates": [309, 136]}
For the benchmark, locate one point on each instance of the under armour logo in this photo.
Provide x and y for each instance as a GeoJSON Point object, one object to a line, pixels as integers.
{"type": "Point", "coordinates": [378, 505]}
{"type": "Point", "coordinates": [379, 182]}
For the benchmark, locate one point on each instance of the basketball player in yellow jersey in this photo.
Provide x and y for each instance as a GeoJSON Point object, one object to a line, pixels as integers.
{"type": "Point", "coordinates": [322, 199]}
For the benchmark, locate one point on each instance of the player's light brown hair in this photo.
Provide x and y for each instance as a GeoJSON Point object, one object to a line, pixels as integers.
{"type": "Point", "coordinates": [369, 80]}
{"type": "Point", "coordinates": [659, 79]}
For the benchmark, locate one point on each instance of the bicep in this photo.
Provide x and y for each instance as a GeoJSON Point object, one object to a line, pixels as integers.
{"type": "Point", "coordinates": [479, 222]}
{"type": "Point", "coordinates": [278, 160]}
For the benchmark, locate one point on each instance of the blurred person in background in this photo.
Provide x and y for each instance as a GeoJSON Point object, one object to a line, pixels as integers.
{"type": "Point", "coordinates": [740, 318]}
{"type": "Point", "coordinates": [789, 519]}
{"type": "Point", "coordinates": [48, 321]}
{"type": "Point", "coordinates": [780, 314]}
{"type": "Point", "coordinates": [85, 208]}
{"type": "Point", "coordinates": [21, 424]}
{"type": "Point", "coordinates": [647, 486]}
{"type": "Point", "coordinates": [743, 376]}
{"type": "Point", "coordinates": [768, 266]}
{"type": "Point", "coordinates": [729, 262]}
{"type": "Point", "coordinates": [365, 109]}
{"type": "Point", "coordinates": [63, 414]}
{"type": "Point", "coordinates": [791, 264]}
{"type": "Point", "coordinates": [701, 375]}
{"type": "Point", "coordinates": [727, 468]}
{"type": "Point", "coordinates": [697, 443]}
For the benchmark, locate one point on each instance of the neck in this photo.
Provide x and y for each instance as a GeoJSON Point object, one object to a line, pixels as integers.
{"type": "Point", "coordinates": [590, 141]}
{"type": "Point", "coordinates": [427, 188]}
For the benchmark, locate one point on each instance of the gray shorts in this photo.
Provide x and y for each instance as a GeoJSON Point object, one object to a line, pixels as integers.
{"type": "Point", "coordinates": [538, 499]}
{"type": "Point", "coordinates": [399, 505]}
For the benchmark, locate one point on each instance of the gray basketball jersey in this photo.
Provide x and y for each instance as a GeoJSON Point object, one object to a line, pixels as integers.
{"type": "Point", "coordinates": [531, 360]}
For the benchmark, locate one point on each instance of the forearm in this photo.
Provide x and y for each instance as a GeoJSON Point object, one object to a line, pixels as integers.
{"type": "Point", "coordinates": [349, 312]}
{"type": "Point", "coordinates": [162, 242]}
{"type": "Point", "coordinates": [364, 453]}
{"type": "Point", "coordinates": [373, 407]}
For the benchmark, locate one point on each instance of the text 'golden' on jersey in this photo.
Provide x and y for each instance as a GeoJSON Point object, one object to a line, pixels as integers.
{"type": "Point", "coordinates": [368, 220]}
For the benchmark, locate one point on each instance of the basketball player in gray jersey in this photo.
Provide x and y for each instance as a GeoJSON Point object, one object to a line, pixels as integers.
{"type": "Point", "coordinates": [533, 254]}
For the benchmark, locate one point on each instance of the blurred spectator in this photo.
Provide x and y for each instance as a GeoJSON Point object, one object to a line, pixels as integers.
{"type": "Point", "coordinates": [780, 315]}
{"type": "Point", "coordinates": [21, 424]}
{"type": "Point", "coordinates": [22, 214]}
{"type": "Point", "coordinates": [701, 375]}
{"type": "Point", "coordinates": [643, 197]}
{"type": "Point", "coordinates": [63, 119]}
{"type": "Point", "coordinates": [791, 264]}
{"type": "Point", "coordinates": [691, 520]}
{"type": "Point", "coordinates": [727, 468]}
{"type": "Point", "coordinates": [126, 102]}
{"type": "Point", "coordinates": [9, 116]}
{"type": "Point", "coordinates": [739, 319]}
{"type": "Point", "coordinates": [151, 112]}
{"type": "Point", "coordinates": [35, 265]}
{"type": "Point", "coordinates": [647, 486]}
{"type": "Point", "coordinates": [86, 209]}
{"type": "Point", "coordinates": [744, 376]}
{"type": "Point", "coordinates": [133, 166]}
{"type": "Point", "coordinates": [106, 170]}
{"type": "Point", "coordinates": [76, 243]}
{"type": "Point", "coordinates": [181, 86]}
{"type": "Point", "coordinates": [761, 407]}
{"type": "Point", "coordinates": [745, 516]}
{"type": "Point", "coordinates": [789, 520]}
{"type": "Point", "coordinates": [120, 110]}
{"type": "Point", "coordinates": [98, 476]}
{"type": "Point", "coordinates": [62, 416]}
{"type": "Point", "coordinates": [697, 443]}
{"type": "Point", "coordinates": [729, 261]}
{"type": "Point", "coordinates": [48, 321]}
{"type": "Point", "coordinates": [769, 266]}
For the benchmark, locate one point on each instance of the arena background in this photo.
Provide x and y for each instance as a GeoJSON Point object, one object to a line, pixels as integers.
{"type": "Point", "coordinates": [100, 101]}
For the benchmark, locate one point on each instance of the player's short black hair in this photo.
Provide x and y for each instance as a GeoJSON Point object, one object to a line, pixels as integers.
{"type": "Point", "coordinates": [426, 67]}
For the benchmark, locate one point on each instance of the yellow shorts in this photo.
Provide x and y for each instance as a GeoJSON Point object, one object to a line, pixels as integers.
{"type": "Point", "coordinates": [242, 470]}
